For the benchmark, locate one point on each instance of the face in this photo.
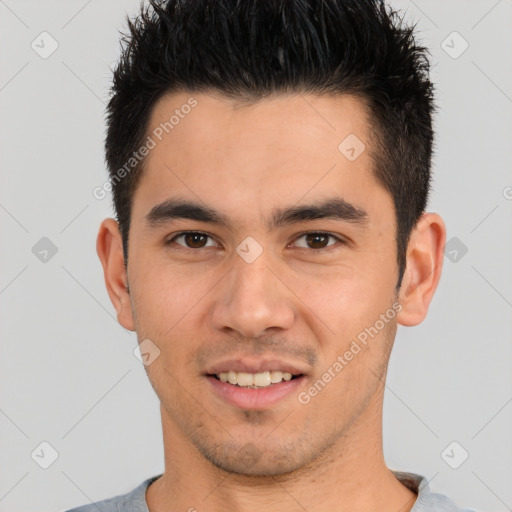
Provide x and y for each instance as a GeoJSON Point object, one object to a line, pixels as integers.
{"type": "Point", "coordinates": [291, 261]}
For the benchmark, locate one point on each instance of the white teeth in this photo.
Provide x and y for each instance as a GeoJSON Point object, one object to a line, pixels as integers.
{"type": "Point", "coordinates": [245, 379]}
{"type": "Point", "coordinates": [276, 377]}
{"type": "Point", "coordinates": [259, 380]}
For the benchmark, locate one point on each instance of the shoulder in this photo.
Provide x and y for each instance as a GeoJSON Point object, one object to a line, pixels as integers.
{"type": "Point", "coordinates": [441, 503]}
{"type": "Point", "coordinates": [134, 501]}
{"type": "Point", "coordinates": [427, 501]}
{"type": "Point", "coordinates": [108, 505]}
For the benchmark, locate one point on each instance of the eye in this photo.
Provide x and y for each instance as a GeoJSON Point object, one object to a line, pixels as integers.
{"type": "Point", "coordinates": [192, 240]}
{"type": "Point", "coordinates": [200, 240]}
{"type": "Point", "coordinates": [318, 240]}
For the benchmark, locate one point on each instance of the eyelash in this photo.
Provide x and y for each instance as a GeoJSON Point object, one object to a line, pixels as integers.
{"type": "Point", "coordinates": [323, 233]}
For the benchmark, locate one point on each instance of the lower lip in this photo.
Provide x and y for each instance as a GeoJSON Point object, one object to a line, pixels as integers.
{"type": "Point", "coordinates": [255, 398]}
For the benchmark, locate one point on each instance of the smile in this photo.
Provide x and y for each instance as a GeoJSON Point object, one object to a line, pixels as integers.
{"type": "Point", "coordinates": [248, 396]}
{"type": "Point", "coordinates": [254, 380]}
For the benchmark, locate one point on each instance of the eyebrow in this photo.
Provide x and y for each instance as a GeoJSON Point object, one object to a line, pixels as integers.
{"type": "Point", "coordinates": [333, 208]}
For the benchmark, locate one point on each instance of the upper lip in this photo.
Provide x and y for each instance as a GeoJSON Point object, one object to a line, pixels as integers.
{"type": "Point", "coordinates": [254, 366]}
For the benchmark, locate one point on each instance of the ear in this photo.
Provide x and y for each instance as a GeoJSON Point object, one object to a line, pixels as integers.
{"type": "Point", "coordinates": [109, 247]}
{"type": "Point", "coordinates": [424, 263]}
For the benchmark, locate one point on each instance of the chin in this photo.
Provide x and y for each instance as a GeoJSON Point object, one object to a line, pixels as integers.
{"type": "Point", "coordinates": [251, 460]}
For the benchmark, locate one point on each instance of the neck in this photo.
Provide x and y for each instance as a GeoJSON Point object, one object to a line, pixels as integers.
{"type": "Point", "coordinates": [350, 476]}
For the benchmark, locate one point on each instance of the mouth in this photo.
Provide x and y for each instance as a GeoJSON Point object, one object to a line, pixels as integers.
{"type": "Point", "coordinates": [255, 390]}
{"type": "Point", "coordinates": [255, 385]}
{"type": "Point", "coordinates": [254, 380]}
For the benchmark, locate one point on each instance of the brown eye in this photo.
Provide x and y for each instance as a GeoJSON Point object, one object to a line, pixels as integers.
{"type": "Point", "coordinates": [192, 240]}
{"type": "Point", "coordinates": [195, 240]}
{"type": "Point", "coordinates": [317, 240]}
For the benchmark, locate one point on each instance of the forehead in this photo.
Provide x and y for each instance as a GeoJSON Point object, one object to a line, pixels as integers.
{"type": "Point", "coordinates": [253, 156]}
{"type": "Point", "coordinates": [310, 121]}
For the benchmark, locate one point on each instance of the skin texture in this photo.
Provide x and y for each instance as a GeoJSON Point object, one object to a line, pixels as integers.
{"type": "Point", "coordinates": [204, 303]}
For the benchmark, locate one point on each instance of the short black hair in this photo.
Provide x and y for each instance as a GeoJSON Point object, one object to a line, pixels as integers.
{"type": "Point", "coordinates": [249, 49]}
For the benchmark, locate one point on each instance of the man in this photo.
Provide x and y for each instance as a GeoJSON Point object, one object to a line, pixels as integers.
{"type": "Point", "coordinates": [270, 167]}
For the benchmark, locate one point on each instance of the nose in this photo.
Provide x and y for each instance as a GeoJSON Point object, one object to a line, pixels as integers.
{"type": "Point", "coordinates": [252, 299]}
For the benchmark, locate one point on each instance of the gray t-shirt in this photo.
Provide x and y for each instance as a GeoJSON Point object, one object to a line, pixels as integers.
{"type": "Point", "coordinates": [135, 501]}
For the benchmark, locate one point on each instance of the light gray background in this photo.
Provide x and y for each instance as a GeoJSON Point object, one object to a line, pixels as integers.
{"type": "Point", "coordinates": [67, 370]}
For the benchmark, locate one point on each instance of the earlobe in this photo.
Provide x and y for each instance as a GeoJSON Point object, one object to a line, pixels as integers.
{"type": "Point", "coordinates": [424, 264]}
{"type": "Point", "coordinates": [110, 252]}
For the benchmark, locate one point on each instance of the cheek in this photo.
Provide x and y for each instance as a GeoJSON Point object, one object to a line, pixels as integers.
{"type": "Point", "coordinates": [347, 298]}
{"type": "Point", "coordinates": [163, 299]}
